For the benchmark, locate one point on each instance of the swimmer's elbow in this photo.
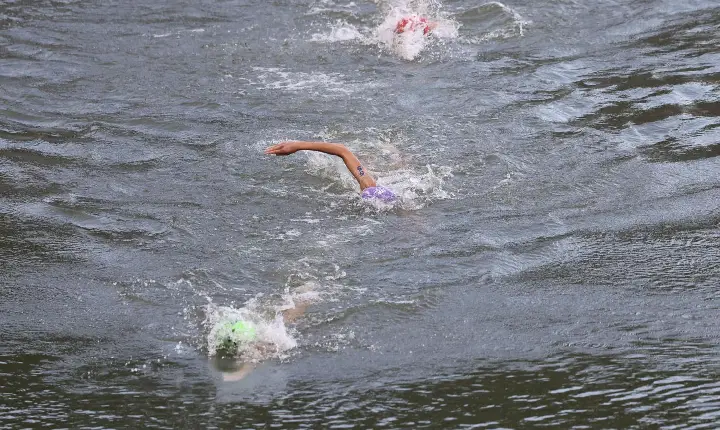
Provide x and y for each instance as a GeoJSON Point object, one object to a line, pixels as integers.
{"type": "Point", "coordinates": [343, 151]}
{"type": "Point", "coordinates": [337, 149]}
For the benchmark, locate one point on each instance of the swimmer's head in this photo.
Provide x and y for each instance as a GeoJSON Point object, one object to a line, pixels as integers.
{"type": "Point", "coordinates": [400, 27]}
{"type": "Point", "coordinates": [243, 329]}
{"type": "Point", "coordinates": [234, 336]}
{"type": "Point", "coordinates": [413, 23]}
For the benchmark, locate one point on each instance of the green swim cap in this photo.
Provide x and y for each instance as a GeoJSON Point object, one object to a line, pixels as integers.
{"type": "Point", "coordinates": [243, 330]}
{"type": "Point", "coordinates": [232, 336]}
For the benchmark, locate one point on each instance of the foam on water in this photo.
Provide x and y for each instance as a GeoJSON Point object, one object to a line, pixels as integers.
{"type": "Point", "coordinates": [417, 187]}
{"type": "Point", "coordinates": [279, 79]}
{"type": "Point", "coordinates": [331, 168]}
{"type": "Point", "coordinates": [341, 31]}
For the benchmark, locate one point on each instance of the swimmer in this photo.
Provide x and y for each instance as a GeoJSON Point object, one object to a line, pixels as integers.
{"type": "Point", "coordinates": [368, 187]}
{"type": "Point", "coordinates": [241, 335]}
{"type": "Point", "coordinates": [415, 23]}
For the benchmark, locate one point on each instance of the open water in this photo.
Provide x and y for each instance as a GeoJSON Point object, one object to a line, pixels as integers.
{"type": "Point", "coordinates": [553, 262]}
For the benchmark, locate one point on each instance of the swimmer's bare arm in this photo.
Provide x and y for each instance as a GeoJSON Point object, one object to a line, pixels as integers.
{"type": "Point", "coordinates": [351, 161]}
{"type": "Point", "coordinates": [290, 315]}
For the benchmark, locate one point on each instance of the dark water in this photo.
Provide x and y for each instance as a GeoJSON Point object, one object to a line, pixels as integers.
{"type": "Point", "coordinates": [554, 260]}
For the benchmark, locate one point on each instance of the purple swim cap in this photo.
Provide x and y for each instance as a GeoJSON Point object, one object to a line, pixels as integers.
{"type": "Point", "coordinates": [379, 192]}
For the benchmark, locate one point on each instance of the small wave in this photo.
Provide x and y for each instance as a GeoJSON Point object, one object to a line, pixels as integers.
{"type": "Point", "coordinates": [51, 132]}
{"type": "Point", "coordinates": [83, 214]}
{"type": "Point", "coordinates": [496, 21]}
{"type": "Point", "coordinates": [177, 33]}
{"type": "Point", "coordinates": [32, 156]}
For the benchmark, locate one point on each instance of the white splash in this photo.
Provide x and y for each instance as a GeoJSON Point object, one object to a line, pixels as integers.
{"type": "Point", "coordinates": [427, 27]}
{"type": "Point", "coordinates": [430, 26]}
{"type": "Point", "coordinates": [271, 336]}
{"type": "Point", "coordinates": [331, 168]}
{"type": "Point", "coordinates": [415, 186]}
{"type": "Point", "coordinates": [339, 32]}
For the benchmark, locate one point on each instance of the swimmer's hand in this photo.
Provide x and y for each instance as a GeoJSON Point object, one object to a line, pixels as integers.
{"type": "Point", "coordinates": [283, 148]}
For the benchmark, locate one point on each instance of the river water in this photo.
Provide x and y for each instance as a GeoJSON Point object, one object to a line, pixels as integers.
{"type": "Point", "coordinates": [553, 261]}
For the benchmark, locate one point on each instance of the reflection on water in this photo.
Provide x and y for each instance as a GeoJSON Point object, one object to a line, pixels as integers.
{"type": "Point", "coordinates": [633, 390]}
{"type": "Point", "coordinates": [553, 262]}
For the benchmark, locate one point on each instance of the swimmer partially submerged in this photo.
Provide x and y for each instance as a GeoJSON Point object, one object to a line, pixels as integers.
{"type": "Point", "coordinates": [242, 336]}
{"type": "Point", "coordinates": [415, 23]}
{"type": "Point", "coordinates": [232, 336]}
{"type": "Point", "coordinates": [368, 187]}
{"type": "Point", "coordinates": [240, 339]}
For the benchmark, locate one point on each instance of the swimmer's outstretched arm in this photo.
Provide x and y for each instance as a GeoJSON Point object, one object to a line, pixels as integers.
{"type": "Point", "coordinates": [351, 161]}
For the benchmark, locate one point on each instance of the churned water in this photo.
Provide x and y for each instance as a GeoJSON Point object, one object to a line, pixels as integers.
{"type": "Point", "coordinates": [553, 259]}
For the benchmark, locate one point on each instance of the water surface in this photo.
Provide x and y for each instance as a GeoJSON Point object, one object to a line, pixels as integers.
{"type": "Point", "coordinates": [553, 261]}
